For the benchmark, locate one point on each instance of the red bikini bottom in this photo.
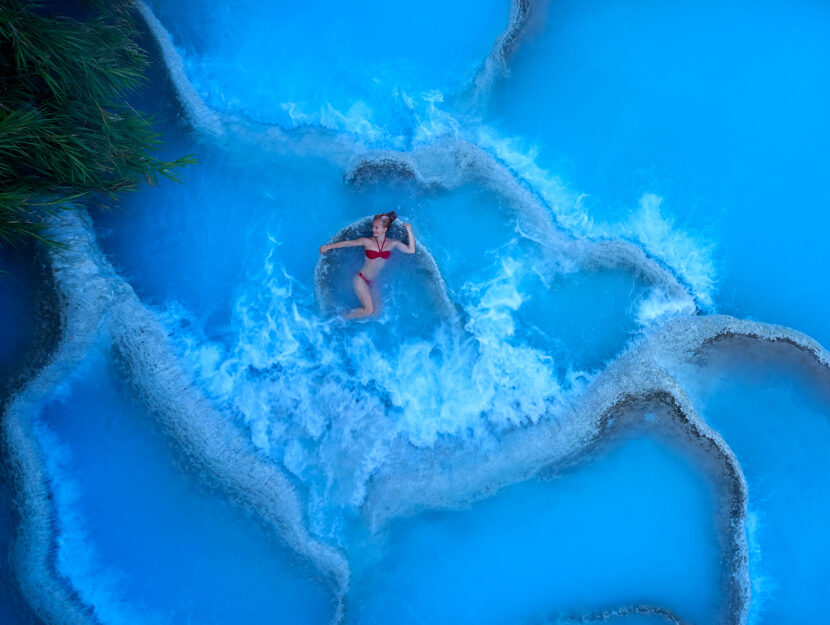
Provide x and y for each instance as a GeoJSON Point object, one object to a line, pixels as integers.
{"type": "Point", "coordinates": [369, 282]}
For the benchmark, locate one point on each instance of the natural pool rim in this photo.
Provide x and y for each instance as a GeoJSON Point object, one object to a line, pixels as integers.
{"type": "Point", "coordinates": [467, 162]}
{"type": "Point", "coordinates": [636, 378]}
{"type": "Point", "coordinates": [729, 327]}
{"type": "Point", "coordinates": [98, 303]}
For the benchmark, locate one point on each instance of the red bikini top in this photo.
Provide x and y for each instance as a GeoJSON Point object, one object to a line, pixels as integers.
{"type": "Point", "coordinates": [372, 254]}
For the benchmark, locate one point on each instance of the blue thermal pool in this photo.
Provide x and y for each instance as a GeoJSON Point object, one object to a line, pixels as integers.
{"type": "Point", "coordinates": [377, 72]}
{"type": "Point", "coordinates": [634, 526]}
{"type": "Point", "coordinates": [155, 545]}
{"type": "Point", "coordinates": [570, 406]}
{"type": "Point", "coordinates": [692, 102]}
{"type": "Point", "coordinates": [773, 410]}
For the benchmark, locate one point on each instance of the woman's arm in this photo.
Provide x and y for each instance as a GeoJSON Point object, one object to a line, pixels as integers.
{"type": "Point", "coordinates": [409, 249]}
{"type": "Point", "coordinates": [339, 244]}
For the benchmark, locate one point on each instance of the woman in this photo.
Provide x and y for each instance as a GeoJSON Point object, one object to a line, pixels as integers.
{"type": "Point", "coordinates": [378, 249]}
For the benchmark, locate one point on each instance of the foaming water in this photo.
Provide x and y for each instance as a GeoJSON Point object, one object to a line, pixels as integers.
{"type": "Point", "coordinates": [689, 101]}
{"type": "Point", "coordinates": [432, 116]}
{"type": "Point", "coordinates": [775, 414]}
{"type": "Point", "coordinates": [227, 262]}
{"type": "Point", "coordinates": [211, 228]}
{"type": "Point", "coordinates": [148, 545]}
{"type": "Point", "coordinates": [326, 399]}
{"type": "Point", "coordinates": [578, 543]}
{"type": "Point", "coordinates": [642, 220]}
{"type": "Point", "coordinates": [368, 67]}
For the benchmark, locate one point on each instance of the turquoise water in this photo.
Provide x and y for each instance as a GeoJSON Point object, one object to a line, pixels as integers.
{"type": "Point", "coordinates": [775, 415]}
{"type": "Point", "coordinates": [141, 541]}
{"type": "Point", "coordinates": [634, 527]}
{"type": "Point", "coordinates": [368, 68]}
{"type": "Point", "coordinates": [717, 107]}
{"type": "Point", "coordinates": [693, 131]}
{"type": "Point", "coordinates": [529, 335]}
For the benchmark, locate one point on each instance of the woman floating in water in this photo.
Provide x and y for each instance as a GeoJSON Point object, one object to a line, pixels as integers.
{"type": "Point", "coordinates": [378, 248]}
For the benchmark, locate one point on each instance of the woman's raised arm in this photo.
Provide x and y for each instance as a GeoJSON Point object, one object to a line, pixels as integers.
{"type": "Point", "coordinates": [409, 249]}
{"type": "Point", "coordinates": [339, 244]}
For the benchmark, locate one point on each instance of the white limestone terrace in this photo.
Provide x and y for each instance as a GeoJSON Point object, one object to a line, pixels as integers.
{"type": "Point", "coordinates": [635, 382]}
{"type": "Point", "coordinates": [50, 596]}
{"type": "Point", "coordinates": [494, 66]}
{"type": "Point", "coordinates": [200, 115]}
{"type": "Point", "coordinates": [98, 304]}
{"type": "Point", "coordinates": [452, 162]}
{"type": "Point", "coordinates": [661, 615]}
{"type": "Point", "coordinates": [446, 163]}
{"type": "Point", "coordinates": [497, 62]}
{"type": "Point", "coordinates": [448, 477]}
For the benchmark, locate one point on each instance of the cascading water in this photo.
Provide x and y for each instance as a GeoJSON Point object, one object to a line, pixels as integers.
{"type": "Point", "coordinates": [529, 430]}
{"type": "Point", "coordinates": [150, 545]}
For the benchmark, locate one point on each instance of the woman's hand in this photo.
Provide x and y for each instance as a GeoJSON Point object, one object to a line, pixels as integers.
{"type": "Point", "coordinates": [406, 225]}
{"type": "Point", "coordinates": [324, 248]}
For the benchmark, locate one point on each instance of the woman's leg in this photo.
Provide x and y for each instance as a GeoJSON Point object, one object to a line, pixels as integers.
{"type": "Point", "coordinates": [361, 289]}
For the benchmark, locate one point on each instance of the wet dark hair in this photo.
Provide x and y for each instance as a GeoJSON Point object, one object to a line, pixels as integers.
{"type": "Point", "coordinates": [385, 219]}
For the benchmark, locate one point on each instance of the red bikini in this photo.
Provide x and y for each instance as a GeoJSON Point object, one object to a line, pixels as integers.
{"type": "Point", "coordinates": [372, 255]}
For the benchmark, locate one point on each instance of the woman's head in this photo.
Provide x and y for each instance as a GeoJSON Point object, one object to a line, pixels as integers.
{"type": "Point", "coordinates": [381, 223]}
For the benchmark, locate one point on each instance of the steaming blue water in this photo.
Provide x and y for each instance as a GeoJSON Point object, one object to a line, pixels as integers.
{"type": "Point", "coordinates": [636, 526]}
{"type": "Point", "coordinates": [213, 229]}
{"type": "Point", "coordinates": [776, 417]}
{"type": "Point", "coordinates": [676, 127]}
{"type": "Point", "coordinates": [140, 541]}
{"type": "Point", "coordinates": [717, 107]}
{"type": "Point", "coordinates": [368, 68]}
{"type": "Point", "coordinates": [252, 334]}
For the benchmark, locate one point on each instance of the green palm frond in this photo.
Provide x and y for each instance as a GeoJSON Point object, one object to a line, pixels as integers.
{"type": "Point", "coordinates": [66, 130]}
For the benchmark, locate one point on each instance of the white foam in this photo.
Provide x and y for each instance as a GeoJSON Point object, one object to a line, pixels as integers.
{"type": "Point", "coordinates": [431, 121]}
{"type": "Point", "coordinates": [358, 120]}
{"type": "Point", "coordinates": [413, 119]}
{"type": "Point", "coordinates": [657, 306]}
{"type": "Point", "coordinates": [763, 586]}
{"type": "Point", "coordinates": [327, 401]}
{"type": "Point", "coordinates": [689, 257]}
{"type": "Point", "coordinates": [417, 120]}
